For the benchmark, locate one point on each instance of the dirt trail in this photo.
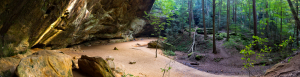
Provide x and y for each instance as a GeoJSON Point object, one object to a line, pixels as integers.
{"type": "Point", "coordinates": [146, 63]}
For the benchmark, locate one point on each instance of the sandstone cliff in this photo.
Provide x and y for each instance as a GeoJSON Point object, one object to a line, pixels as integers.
{"type": "Point", "coordinates": [59, 23]}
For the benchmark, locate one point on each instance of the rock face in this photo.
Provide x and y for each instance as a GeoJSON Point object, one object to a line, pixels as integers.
{"type": "Point", "coordinates": [59, 23]}
{"type": "Point", "coordinates": [290, 69]}
{"type": "Point", "coordinates": [8, 66]}
{"type": "Point", "coordinates": [45, 63]}
{"type": "Point", "coordinates": [95, 66]}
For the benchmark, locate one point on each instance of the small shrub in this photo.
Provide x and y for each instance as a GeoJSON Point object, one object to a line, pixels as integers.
{"type": "Point", "coordinates": [230, 43]}
{"type": "Point", "coordinates": [223, 35]}
{"type": "Point", "coordinates": [219, 38]}
{"type": "Point", "coordinates": [169, 53]}
{"type": "Point", "coordinates": [184, 46]}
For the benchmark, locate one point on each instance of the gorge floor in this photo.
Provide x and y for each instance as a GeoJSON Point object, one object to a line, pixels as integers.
{"type": "Point", "coordinates": [146, 63]}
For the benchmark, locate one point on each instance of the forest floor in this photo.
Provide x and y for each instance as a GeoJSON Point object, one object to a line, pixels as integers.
{"type": "Point", "coordinates": [227, 61]}
{"type": "Point", "coordinates": [146, 63]}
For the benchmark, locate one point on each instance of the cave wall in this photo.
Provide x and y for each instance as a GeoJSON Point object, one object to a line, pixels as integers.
{"type": "Point", "coordinates": [60, 23]}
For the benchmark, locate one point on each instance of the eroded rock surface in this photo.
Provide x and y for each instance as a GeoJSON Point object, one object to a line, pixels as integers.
{"type": "Point", "coordinates": [59, 23]}
{"type": "Point", "coordinates": [95, 66]}
{"type": "Point", "coordinates": [45, 63]}
{"type": "Point", "coordinates": [290, 69]}
{"type": "Point", "coordinates": [8, 66]}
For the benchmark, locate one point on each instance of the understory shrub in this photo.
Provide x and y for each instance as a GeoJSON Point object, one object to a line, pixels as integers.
{"type": "Point", "coordinates": [169, 53]}
{"type": "Point", "coordinates": [230, 43]}
{"type": "Point", "coordinates": [223, 35]}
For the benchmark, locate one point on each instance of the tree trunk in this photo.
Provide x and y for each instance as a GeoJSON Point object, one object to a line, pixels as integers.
{"type": "Point", "coordinates": [255, 22]}
{"type": "Point", "coordinates": [190, 17]}
{"type": "Point", "coordinates": [214, 39]}
{"type": "Point", "coordinates": [235, 15]}
{"type": "Point", "coordinates": [297, 32]}
{"type": "Point", "coordinates": [228, 18]}
{"type": "Point", "coordinates": [267, 16]}
{"type": "Point", "coordinates": [294, 14]}
{"type": "Point", "coordinates": [281, 21]}
{"type": "Point", "coordinates": [205, 35]}
{"type": "Point", "coordinates": [249, 15]}
{"type": "Point", "coordinates": [220, 9]}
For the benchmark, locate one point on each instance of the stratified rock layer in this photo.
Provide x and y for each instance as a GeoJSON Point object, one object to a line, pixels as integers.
{"type": "Point", "coordinates": [59, 23]}
{"type": "Point", "coordinates": [45, 63]}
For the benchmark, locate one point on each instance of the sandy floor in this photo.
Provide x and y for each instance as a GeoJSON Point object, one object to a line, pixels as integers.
{"type": "Point", "coordinates": [146, 63]}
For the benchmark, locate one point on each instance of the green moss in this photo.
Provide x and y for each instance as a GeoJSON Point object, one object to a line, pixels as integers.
{"type": "Point", "coordinates": [199, 57]}
{"type": "Point", "coordinates": [190, 54]}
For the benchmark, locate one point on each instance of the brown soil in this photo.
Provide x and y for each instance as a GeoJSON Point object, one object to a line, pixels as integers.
{"type": "Point", "coordinates": [146, 63]}
{"type": "Point", "coordinates": [230, 64]}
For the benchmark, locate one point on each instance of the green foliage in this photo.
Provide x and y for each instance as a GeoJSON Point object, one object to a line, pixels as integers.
{"type": "Point", "coordinates": [219, 38]}
{"type": "Point", "coordinates": [184, 46]}
{"type": "Point", "coordinates": [230, 43]}
{"type": "Point", "coordinates": [169, 53]}
{"type": "Point", "coordinates": [190, 54]}
{"type": "Point", "coordinates": [199, 57]}
{"type": "Point", "coordinates": [209, 45]}
{"type": "Point", "coordinates": [282, 47]}
{"type": "Point", "coordinates": [248, 52]}
{"type": "Point", "coordinates": [290, 59]}
{"type": "Point", "coordinates": [165, 70]}
{"type": "Point", "coordinates": [223, 35]}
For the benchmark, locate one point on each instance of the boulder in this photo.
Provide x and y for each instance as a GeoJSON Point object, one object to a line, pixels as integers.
{"type": "Point", "coordinates": [153, 44]}
{"type": "Point", "coordinates": [44, 63]}
{"type": "Point", "coordinates": [95, 66]}
{"type": "Point", "coordinates": [8, 66]}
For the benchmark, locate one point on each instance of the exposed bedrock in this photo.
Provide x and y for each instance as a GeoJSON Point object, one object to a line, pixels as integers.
{"type": "Point", "coordinates": [59, 23]}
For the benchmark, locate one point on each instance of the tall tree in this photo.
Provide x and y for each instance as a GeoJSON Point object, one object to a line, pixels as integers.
{"type": "Point", "coordinates": [254, 18]}
{"type": "Point", "coordinates": [220, 9]}
{"type": "Point", "coordinates": [255, 22]}
{"type": "Point", "coordinates": [294, 14]}
{"type": "Point", "coordinates": [281, 20]}
{"type": "Point", "coordinates": [203, 13]}
{"type": "Point", "coordinates": [214, 39]}
{"type": "Point", "coordinates": [297, 32]}
{"type": "Point", "coordinates": [190, 17]}
{"type": "Point", "coordinates": [235, 6]}
{"type": "Point", "coordinates": [267, 16]}
{"type": "Point", "coordinates": [228, 18]}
